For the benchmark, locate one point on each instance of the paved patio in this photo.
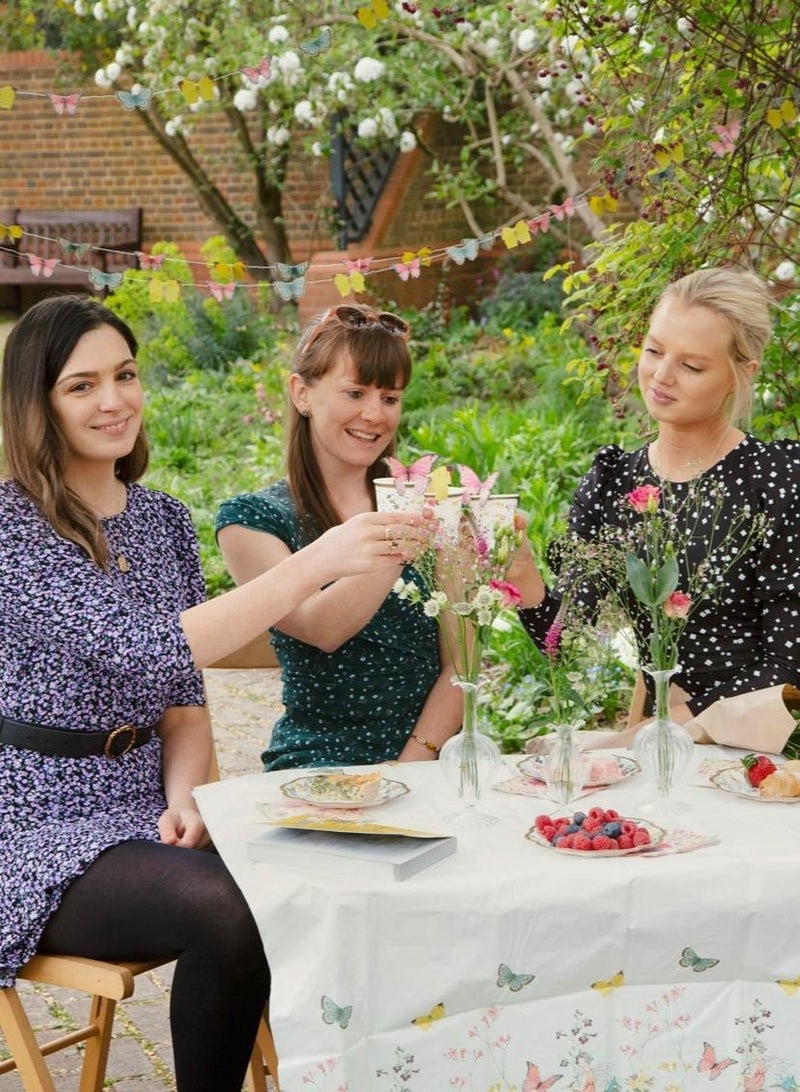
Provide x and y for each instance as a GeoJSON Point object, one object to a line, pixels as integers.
{"type": "Point", "coordinates": [244, 705]}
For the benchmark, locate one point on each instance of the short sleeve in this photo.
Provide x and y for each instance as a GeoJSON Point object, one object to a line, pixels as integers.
{"type": "Point", "coordinates": [271, 511]}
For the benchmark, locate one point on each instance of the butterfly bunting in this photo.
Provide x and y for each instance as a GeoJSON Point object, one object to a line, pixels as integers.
{"type": "Point", "coordinates": [515, 982]}
{"type": "Point", "coordinates": [150, 261]}
{"type": "Point", "coordinates": [439, 483]}
{"type": "Point", "coordinates": [786, 113]}
{"type": "Point", "coordinates": [790, 986]}
{"type": "Point", "coordinates": [230, 271]}
{"type": "Point", "coordinates": [11, 232]}
{"type": "Point", "coordinates": [290, 290]}
{"type": "Point", "coordinates": [603, 203]}
{"type": "Point", "coordinates": [42, 266]}
{"type": "Point", "coordinates": [135, 100]}
{"type": "Point", "coordinates": [335, 1014]}
{"type": "Point", "coordinates": [7, 97]}
{"type": "Point", "coordinates": [534, 1083]}
{"type": "Point", "coordinates": [357, 265]}
{"type": "Point", "coordinates": [349, 282]}
{"type": "Point", "coordinates": [290, 272]}
{"type": "Point", "coordinates": [416, 475]}
{"type": "Point", "coordinates": [665, 157]}
{"type": "Point", "coordinates": [201, 90]}
{"type": "Point", "coordinates": [516, 234]}
{"type": "Point", "coordinates": [64, 104]}
{"type": "Point", "coordinates": [539, 223]}
{"type": "Point", "coordinates": [474, 488]}
{"type": "Point", "coordinates": [408, 270]}
{"type": "Point", "coordinates": [259, 75]}
{"type": "Point", "coordinates": [605, 986]}
{"type": "Point", "coordinates": [690, 958]}
{"type": "Point", "coordinates": [425, 1021]}
{"type": "Point", "coordinates": [370, 16]}
{"type": "Point", "coordinates": [74, 250]}
{"type": "Point", "coordinates": [566, 208]}
{"type": "Point", "coordinates": [101, 279]}
{"type": "Point", "coordinates": [164, 291]}
{"type": "Point", "coordinates": [222, 292]}
{"type": "Point", "coordinates": [708, 1062]}
{"type": "Point", "coordinates": [728, 135]}
{"type": "Point", "coordinates": [465, 251]}
{"type": "Point", "coordinates": [319, 43]}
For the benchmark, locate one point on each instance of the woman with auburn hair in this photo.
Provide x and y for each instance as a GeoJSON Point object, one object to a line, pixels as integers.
{"type": "Point", "coordinates": [103, 727]}
{"type": "Point", "coordinates": [696, 371]}
{"type": "Point", "coordinates": [364, 677]}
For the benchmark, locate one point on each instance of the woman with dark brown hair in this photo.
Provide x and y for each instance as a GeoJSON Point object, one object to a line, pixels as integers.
{"type": "Point", "coordinates": [365, 679]}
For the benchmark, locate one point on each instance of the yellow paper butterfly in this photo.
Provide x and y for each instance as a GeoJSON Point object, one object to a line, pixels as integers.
{"type": "Point", "coordinates": [7, 96]}
{"type": "Point", "coordinates": [424, 1022]}
{"type": "Point", "coordinates": [785, 113]}
{"type": "Point", "coordinates": [369, 17]}
{"type": "Point", "coordinates": [790, 986]}
{"type": "Point", "coordinates": [605, 987]}
{"type": "Point", "coordinates": [164, 291]}
{"type": "Point", "coordinates": [666, 156]}
{"type": "Point", "coordinates": [604, 203]}
{"type": "Point", "coordinates": [518, 233]}
{"type": "Point", "coordinates": [349, 282]}
{"type": "Point", "coordinates": [194, 91]}
{"type": "Point", "coordinates": [13, 231]}
{"type": "Point", "coordinates": [229, 271]}
{"type": "Point", "coordinates": [439, 482]}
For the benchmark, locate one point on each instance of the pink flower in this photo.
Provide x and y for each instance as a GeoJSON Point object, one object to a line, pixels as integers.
{"type": "Point", "coordinates": [552, 639]}
{"type": "Point", "coordinates": [510, 593]}
{"type": "Point", "coordinates": [677, 605]}
{"type": "Point", "coordinates": [644, 499]}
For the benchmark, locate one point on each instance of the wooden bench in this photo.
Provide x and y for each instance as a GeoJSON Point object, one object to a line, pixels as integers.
{"type": "Point", "coordinates": [117, 230]}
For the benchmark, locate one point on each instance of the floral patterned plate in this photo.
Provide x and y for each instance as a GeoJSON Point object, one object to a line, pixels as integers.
{"type": "Point", "coordinates": [311, 790]}
{"type": "Point", "coordinates": [657, 836]}
{"type": "Point", "coordinates": [534, 766]}
{"type": "Point", "coordinates": [735, 780]}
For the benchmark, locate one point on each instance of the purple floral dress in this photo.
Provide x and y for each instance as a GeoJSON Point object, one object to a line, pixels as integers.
{"type": "Point", "coordinates": [85, 650]}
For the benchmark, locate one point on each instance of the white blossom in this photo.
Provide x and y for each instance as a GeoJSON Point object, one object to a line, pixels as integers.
{"type": "Point", "coordinates": [304, 112]}
{"type": "Point", "coordinates": [367, 128]}
{"type": "Point", "coordinates": [387, 123]}
{"type": "Point", "coordinates": [545, 82]}
{"type": "Point", "coordinates": [113, 71]}
{"type": "Point", "coordinates": [368, 69]}
{"type": "Point", "coordinates": [635, 105]}
{"type": "Point", "coordinates": [99, 12]}
{"type": "Point", "coordinates": [316, 149]}
{"type": "Point", "coordinates": [526, 40]}
{"type": "Point", "coordinates": [246, 99]}
{"type": "Point", "coordinates": [408, 141]}
{"type": "Point", "coordinates": [289, 62]}
{"type": "Point", "coordinates": [78, 7]}
{"type": "Point", "coordinates": [785, 271]}
{"type": "Point", "coordinates": [646, 47]}
{"type": "Point", "coordinates": [277, 34]}
{"type": "Point", "coordinates": [684, 26]}
{"type": "Point", "coordinates": [101, 78]}
{"type": "Point", "coordinates": [277, 134]}
{"type": "Point", "coordinates": [399, 585]}
{"type": "Point", "coordinates": [431, 608]}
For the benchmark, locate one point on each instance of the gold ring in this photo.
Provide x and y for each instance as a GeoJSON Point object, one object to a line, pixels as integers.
{"type": "Point", "coordinates": [393, 546]}
{"type": "Point", "coordinates": [387, 533]}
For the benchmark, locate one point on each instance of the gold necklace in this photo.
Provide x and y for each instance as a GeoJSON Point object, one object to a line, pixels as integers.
{"type": "Point", "coordinates": [698, 466]}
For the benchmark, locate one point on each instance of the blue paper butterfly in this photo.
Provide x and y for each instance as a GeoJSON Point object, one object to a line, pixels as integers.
{"type": "Point", "coordinates": [290, 272]}
{"type": "Point", "coordinates": [690, 958]}
{"type": "Point", "coordinates": [467, 250]}
{"type": "Point", "coordinates": [135, 100]}
{"type": "Point", "coordinates": [104, 280]}
{"type": "Point", "coordinates": [334, 1014]}
{"type": "Point", "coordinates": [319, 43]}
{"type": "Point", "coordinates": [515, 982]}
{"type": "Point", "coordinates": [290, 290]}
{"type": "Point", "coordinates": [76, 249]}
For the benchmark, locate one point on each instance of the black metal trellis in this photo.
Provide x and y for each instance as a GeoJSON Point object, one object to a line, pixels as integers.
{"type": "Point", "coordinates": [358, 176]}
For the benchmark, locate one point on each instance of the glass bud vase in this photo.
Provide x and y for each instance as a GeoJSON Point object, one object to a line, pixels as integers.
{"type": "Point", "coordinates": [663, 748]}
{"type": "Point", "coordinates": [470, 760]}
{"type": "Point", "coordinates": [565, 770]}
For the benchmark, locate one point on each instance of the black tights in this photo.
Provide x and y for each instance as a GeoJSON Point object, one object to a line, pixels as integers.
{"type": "Point", "coordinates": [144, 900]}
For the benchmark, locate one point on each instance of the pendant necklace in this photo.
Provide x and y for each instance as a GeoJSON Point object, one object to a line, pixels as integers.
{"type": "Point", "coordinates": [697, 466]}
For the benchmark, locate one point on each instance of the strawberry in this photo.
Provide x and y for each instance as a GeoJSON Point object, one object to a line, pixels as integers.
{"type": "Point", "coordinates": [758, 767]}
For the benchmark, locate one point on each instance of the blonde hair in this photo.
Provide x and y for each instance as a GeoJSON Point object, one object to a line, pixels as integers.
{"type": "Point", "coordinates": [742, 299]}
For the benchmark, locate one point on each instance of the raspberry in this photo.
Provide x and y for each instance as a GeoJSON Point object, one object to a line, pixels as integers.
{"type": "Point", "coordinates": [542, 821]}
{"type": "Point", "coordinates": [596, 813]}
{"type": "Point", "coordinates": [591, 825]}
{"type": "Point", "coordinates": [610, 816]}
{"type": "Point", "coordinates": [581, 841]}
{"type": "Point", "coordinates": [641, 838]}
{"type": "Point", "coordinates": [602, 841]}
{"type": "Point", "coordinates": [625, 841]}
{"type": "Point", "coordinates": [564, 841]}
{"type": "Point", "coordinates": [628, 826]}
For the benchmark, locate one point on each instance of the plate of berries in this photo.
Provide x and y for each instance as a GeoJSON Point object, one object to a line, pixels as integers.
{"type": "Point", "coordinates": [600, 832]}
{"type": "Point", "coordinates": [759, 778]}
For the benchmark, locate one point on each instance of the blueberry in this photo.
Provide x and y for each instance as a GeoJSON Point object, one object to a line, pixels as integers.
{"type": "Point", "coordinates": [613, 830]}
{"type": "Point", "coordinates": [578, 817]}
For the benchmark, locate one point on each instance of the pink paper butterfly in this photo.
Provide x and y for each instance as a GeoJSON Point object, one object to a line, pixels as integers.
{"type": "Point", "coordinates": [534, 1083]}
{"type": "Point", "coordinates": [566, 209]}
{"type": "Point", "coordinates": [43, 266]}
{"type": "Point", "coordinates": [404, 270]}
{"type": "Point", "coordinates": [473, 486]}
{"type": "Point", "coordinates": [539, 223]}
{"type": "Point", "coordinates": [417, 474]}
{"type": "Point", "coordinates": [357, 265]}
{"type": "Point", "coordinates": [728, 135]}
{"type": "Point", "coordinates": [222, 291]}
{"type": "Point", "coordinates": [708, 1063]}
{"type": "Point", "coordinates": [64, 104]}
{"type": "Point", "coordinates": [150, 261]}
{"type": "Point", "coordinates": [260, 74]}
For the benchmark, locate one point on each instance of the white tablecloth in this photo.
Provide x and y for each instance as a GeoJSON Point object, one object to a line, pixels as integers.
{"type": "Point", "coordinates": [616, 1002]}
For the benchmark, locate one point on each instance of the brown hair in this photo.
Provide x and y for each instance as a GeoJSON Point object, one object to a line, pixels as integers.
{"type": "Point", "coordinates": [380, 358]}
{"type": "Point", "coordinates": [742, 299]}
{"type": "Point", "coordinates": [36, 454]}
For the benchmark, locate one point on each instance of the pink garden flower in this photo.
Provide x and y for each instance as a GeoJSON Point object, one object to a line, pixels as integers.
{"type": "Point", "coordinates": [677, 605]}
{"type": "Point", "coordinates": [552, 639]}
{"type": "Point", "coordinates": [644, 499]}
{"type": "Point", "coordinates": [509, 592]}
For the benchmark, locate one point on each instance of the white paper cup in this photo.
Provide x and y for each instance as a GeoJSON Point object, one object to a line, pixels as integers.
{"type": "Point", "coordinates": [497, 511]}
{"type": "Point", "coordinates": [388, 499]}
{"type": "Point", "coordinates": [448, 512]}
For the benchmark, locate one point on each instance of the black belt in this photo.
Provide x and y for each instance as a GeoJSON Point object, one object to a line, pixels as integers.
{"type": "Point", "coordinates": [65, 743]}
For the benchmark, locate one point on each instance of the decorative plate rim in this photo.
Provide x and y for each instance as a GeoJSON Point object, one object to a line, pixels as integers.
{"type": "Point", "coordinates": [389, 789]}
{"type": "Point", "coordinates": [533, 835]}
{"type": "Point", "coordinates": [633, 769]}
{"type": "Point", "coordinates": [747, 790]}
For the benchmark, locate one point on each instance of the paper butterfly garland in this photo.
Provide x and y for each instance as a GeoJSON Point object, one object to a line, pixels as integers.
{"type": "Point", "coordinates": [319, 43]}
{"type": "Point", "coordinates": [76, 250]}
{"type": "Point", "coordinates": [465, 251]}
{"type": "Point", "coordinates": [786, 113]}
{"type": "Point", "coordinates": [515, 982]}
{"type": "Point", "coordinates": [43, 266]}
{"type": "Point", "coordinates": [64, 104]}
{"type": "Point", "coordinates": [474, 488]}
{"type": "Point", "coordinates": [150, 261]}
{"type": "Point", "coordinates": [229, 271]}
{"type": "Point", "coordinates": [406, 270]}
{"type": "Point", "coordinates": [201, 90]}
{"type": "Point", "coordinates": [222, 292]}
{"type": "Point", "coordinates": [728, 135]}
{"type": "Point", "coordinates": [416, 474]}
{"type": "Point", "coordinates": [135, 100]}
{"type": "Point", "coordinates": [12, 231]}
{"type": "Point", "coordinates": [606, 986]}
{"type": "Point", "coordinates": [164, 291]}
{"type": "Point", "coordinates": [534, 1083]}
{"type": "Point", "coordinates": [690, 958]}
{"type": "Point", "coordinates": [290, 290]}
{"type": "Point", "coordinates": [540, 224]}
{"type": "Point", "coordinates": [516, 234]}
{"type": "Point", "coordinates": [334, 1014]}
{"type": "Point", "coordinates": [708, 1062]}
{"type": "Point", "coordinates": [369, 17]}
{"type": "Point", "coordinates": [566, 208]}
{"type": "Point", "coordinates": [349, 282]}
{"type": "Point", "coordinates": [290, 272]}
{"type": "Point", "coordinates": [665, 157]}
{"type": "Point", "coordinates": [603, 203]}
{"type": "Point", "coordinates": [100, 279]}
{"type": "Point", "coordinates": [357, 265]}
{"type": "Point", "coordinates": [424, 1022]}
{"type": "Point", "coordinates": [260, 74]}
{"type": "Point", "coordinates": [7, 97]}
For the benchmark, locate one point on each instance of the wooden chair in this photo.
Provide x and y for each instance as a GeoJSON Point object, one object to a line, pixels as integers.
{"type": "Point", "coordinates": [107, 983]}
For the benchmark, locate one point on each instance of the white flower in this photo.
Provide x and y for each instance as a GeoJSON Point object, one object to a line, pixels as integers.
{"type": "Point", "coordinates": [545, 82]}
{"type": "Point", "coordinates": [785, 271]}
{"type": "Point", "coordinates": [462, 608]}
{"type": "Point", "coordinates": [173, 126]}
{"type": "Point", "coordinates": [98, 12]}
{"type": "Point", "coordinates": [526, 40]}
{"type": "Point", "coordinates": [367, 128]}
{"type": "Point", "coordinates": [646, 47]}
{"type": "Point", "coordinates": [408, 141]}
{"type": "Point", "coordinates": [245, 99]}
{"type": "Point", "coordinates": [278, 134]}
{"type": "Point", "coordinates": [492, 46]}
{"type": "Point", "coordinates": [289, 62]}
{"type": "Point", "coordinates": [79, 8]}
{"type": "Point", "coordinates": [277, 35]}
{"type": "Point", "coordinates": [113, 71]}
{"type": "Point", "coordinates": [304, 112]}
{"type": "Point", "coordinates": [635, 105]}
{"type": "Point", "coordinates": [340, 81]}
{"type": "Point", "coordinates": [316, 149]}
{"type": "Point", "coordinates": [387, 122]}
{"type": "Point", "coordinates": [367, 70]}
{"type": "Point", "coordinates": [399, 585]}
{"type": "Point", "coordinates": [101, 78]}
{"type": "Point", "coordinates": [684, 26]}
{"type": "Point", "coordinates": [431, 608]}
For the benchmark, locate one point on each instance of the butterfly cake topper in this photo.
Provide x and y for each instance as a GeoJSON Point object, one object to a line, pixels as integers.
{"type": "Point", "coordinates": [414, 477]}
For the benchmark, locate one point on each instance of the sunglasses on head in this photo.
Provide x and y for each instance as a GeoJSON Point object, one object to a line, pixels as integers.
{"type": "Point", "coordinates": [356, 318]}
